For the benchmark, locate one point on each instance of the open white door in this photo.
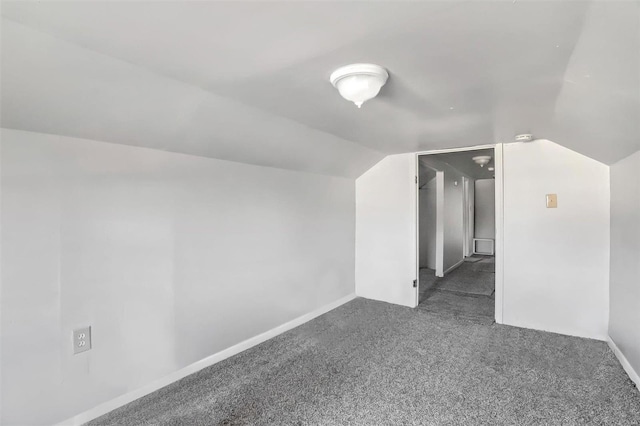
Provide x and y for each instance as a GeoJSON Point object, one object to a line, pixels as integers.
{"type": "Point", "coordinates": [386, 231]}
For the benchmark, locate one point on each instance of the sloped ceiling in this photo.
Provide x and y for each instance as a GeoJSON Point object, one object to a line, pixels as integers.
{"type": "Point", "coordinates": [248, 81]}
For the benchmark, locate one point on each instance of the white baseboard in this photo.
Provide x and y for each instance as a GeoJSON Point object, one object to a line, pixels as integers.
{"type": "Point", "coordinates": [453, 267]}
{"type": "Point", "coordinates": [633, 375]}
{"type": "Point", "coordinates": [111, 405]}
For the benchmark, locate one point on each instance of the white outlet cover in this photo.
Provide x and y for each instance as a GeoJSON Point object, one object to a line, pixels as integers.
{"type": "Point", "coordinates": [81, 340]}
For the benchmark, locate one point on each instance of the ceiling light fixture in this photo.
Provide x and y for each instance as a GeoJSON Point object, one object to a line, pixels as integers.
{"type": "Point", "coordinates": [482, 160]}
{"type": "Point", "coordinates": [359, 82]}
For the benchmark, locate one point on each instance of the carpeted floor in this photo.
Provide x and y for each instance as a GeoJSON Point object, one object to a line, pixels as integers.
{"type": "Point", "coordinates": [372, 363]}
{"type": "Point", "coordinates": [469, 279]}
{"type": "Point", "coordinates": [467, 292]}
{"type": "Point", "coordinates": [480, 309]}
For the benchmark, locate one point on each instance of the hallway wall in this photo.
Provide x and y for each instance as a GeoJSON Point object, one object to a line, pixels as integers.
{"type": "Point", "coordinates": [453, 211]}
{"type": "Point", "coordinates": [485, 213]}
{"type": "Point", "coordinates": [427, 225]}
{"type": "Point", "coordinates": [485, 208]}
{"type": "Point", "coordinates": [453, 218]}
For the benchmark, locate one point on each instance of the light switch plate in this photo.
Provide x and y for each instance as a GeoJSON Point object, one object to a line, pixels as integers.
{"type": "Point", "coordinates": [81, 340]}
{"type": "Point", "coordinates": [552, 201]}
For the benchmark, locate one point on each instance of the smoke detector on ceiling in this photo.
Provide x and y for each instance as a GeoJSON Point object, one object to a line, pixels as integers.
{"type": "Point", "coordinates": [525, 137]}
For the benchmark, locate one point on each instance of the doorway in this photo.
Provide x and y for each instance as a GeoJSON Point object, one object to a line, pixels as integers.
{"type": "Point", "coordinates": [457, 233]}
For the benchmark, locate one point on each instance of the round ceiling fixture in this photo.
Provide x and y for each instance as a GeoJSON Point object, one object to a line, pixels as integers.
{"type": "Point", "coordinates": [359, 82]}
{"type": "Point", "coordinates": [482, 160]}
{"type": "Point", "coordinates": [525, 137]}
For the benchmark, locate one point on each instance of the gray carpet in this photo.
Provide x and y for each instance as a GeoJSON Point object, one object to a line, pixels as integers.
{"type": "Point", "coordinates": [428, 281]}
{"type": "Point", "coordinates": [485, 267]}
{"type": "Point", "coordinates": [372, 363]}
{"type": "Point", "coordinates": [478, 309]}
{"type": "Point", "coordinates": [466, 292]}
{"type": "Point", "coordinates": [466, 279]}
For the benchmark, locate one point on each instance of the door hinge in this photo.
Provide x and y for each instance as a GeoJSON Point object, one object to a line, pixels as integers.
{"type": "Point", "coordinates": [415, 283]}
{"type": "Point", "coordinates": [416, 179]}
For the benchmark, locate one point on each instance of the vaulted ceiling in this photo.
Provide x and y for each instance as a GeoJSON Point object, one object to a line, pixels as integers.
{"type": "Point", "coordinates": [248, 81]}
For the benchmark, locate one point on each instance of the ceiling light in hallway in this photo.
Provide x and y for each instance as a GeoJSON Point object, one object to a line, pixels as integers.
{"type": "Point", "coordinates": [482, 160]}
{"type": "Point", "coordinates": [359, 82]}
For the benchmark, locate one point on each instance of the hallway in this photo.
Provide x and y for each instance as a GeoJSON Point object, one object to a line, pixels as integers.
{"type": "Point", "coordinates": [468, 292]}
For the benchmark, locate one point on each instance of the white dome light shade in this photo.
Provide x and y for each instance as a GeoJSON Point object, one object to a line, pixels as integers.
{"type": "Point", "coordinates": [359, 82]}
{"type": "Point", "coordinates": [482, 160]}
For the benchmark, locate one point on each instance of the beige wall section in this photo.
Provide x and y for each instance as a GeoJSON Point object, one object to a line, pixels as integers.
{"type": "Point", "coordinates": [556, 261]}
{"type": "Point", "coordinates": [169, 257]}
{"type": "Point", "coordinates": [624, 322]}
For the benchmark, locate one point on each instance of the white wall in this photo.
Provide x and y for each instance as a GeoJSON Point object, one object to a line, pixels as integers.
{"type": "Point", "coordinates": [485, 208]}
{"type": "Point", "coordinates": [556, 261]}
{"type": "Point", "coordinates": [485, 212]}
{"type": "Point", "coordinates": [452, 211]}
{"type": "Point", "coordinates": [453, 215]}
{"type": "Point", "coordinates": [427, 228]}
{"type": "Point", "coordinates": [386, 255]}
{"type": "Point", "coordinates": [624, 319]}
{"type": "Point", "coordinates": [469, 216]}
{"type": "Point", "coordinates": [169, 257]}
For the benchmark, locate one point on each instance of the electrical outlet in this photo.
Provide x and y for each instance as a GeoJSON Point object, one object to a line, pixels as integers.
{"type": "Point", "coordinates": [552, 201]}
{"type": "Point", "coordinates": [81, 340]}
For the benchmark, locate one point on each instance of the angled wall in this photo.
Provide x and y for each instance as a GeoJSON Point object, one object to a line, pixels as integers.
{"type": "Point", "coordinates": [169, 257]}
{"type": "Point", "coordinates": [386, 231]}
{"type": "Point", "coordinates": [624, 303]}
{"type": "Point", "coordinates": [61, 88]}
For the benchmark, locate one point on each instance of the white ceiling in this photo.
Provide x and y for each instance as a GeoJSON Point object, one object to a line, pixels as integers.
{"type": "Point", "coordinates": [248, 81]}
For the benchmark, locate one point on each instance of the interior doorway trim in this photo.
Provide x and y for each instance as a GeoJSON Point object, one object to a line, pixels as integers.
{"type": "Point", "coordinates": [499, 201]}
{"type": "Point", "coordinates": [439, 228]}
{"type": "Point", "coordinates": [468, 205]}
